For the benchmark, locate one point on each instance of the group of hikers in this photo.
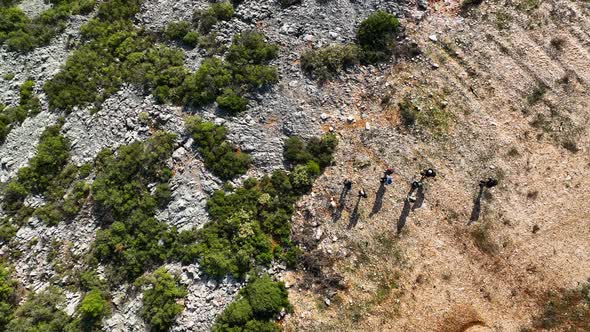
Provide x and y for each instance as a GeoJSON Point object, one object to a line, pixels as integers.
{"type": "Point", "coordinates": [417, 185]}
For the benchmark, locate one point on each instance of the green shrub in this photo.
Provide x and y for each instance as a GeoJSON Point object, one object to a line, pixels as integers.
{"type": "Point", "coordinates": [133, 240]}
{"type": "Point", "coordinates": [376, 36]}
{"type": "Point", "coordinates": [11, 116]}
{"type": "Point", "coordinates": [325, 63]}
{"type": "Point", "coordinates": [206, 19]}
{"type": "Point", "coordinates": [40, 313]}
{"type": "Point", "coordinates": [223, 11]}
{"type": "Point", "coordinates": [318, 150]}
{"type": "Point", "coordinates": [159, 300]}
{"type": "Point", "coordinates": [23, 34]}
{"type": "Point", "coordinates": [177, 30]}
{"type": "Point", "coordinates": [191, 39]}
{"type": "Point", "coordinates": [38, 178]}
{"type": "Point", "coordinates": [7, 230]}
{"type": "Point", "coordinates": [93, 307]}
{"type": "Point", "coordinates": [231, 102]}
{"type": "Point", "coordinates": [254, 310]}
{"type": "Point", "coordinates": [217, 153]}
{"type": "Point", "coordinates": [8, 299]}
{"type": "Point", "coordinates": [28, 100]}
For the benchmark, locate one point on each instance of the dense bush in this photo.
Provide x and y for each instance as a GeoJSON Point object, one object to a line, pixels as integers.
{"type": "Point", "coordinates": [376, 36]}
{"type": "Point", "coordinates": [93, 306]}
{"type": "Point", "coordinates": [219, 156]}
{"type": "Point", "coordinates": [89, 313]}
{"type": "Point", "coordinates": [116, 52]}
{"type": "Point", "coordinates": [257, 305]}
{"type": "Point", "coordinates": [206, 19]}
{"type": "Point", "coordinates": [177, 30]}
{"type": "Point", "coordinates": [325, 63]}
{"type": "Point", "coordinates": [245, 69]}
{"type": "Point", "coordinates": [318, 150]}
{"type": "Point", "coordinates": [23, 34]}
{"type": "Point", "coordinates": [8, 298]}
{"type": "Point", "coordinates": [191, 39]}
{"type": "Point", "coordinates": [181, 32]}
{"type": "Point", "coordinates": [159, 300]}
{"type": "Point", "coordinates": [132, 240]}
{"type": "Point", "coordinates": [40, 313]}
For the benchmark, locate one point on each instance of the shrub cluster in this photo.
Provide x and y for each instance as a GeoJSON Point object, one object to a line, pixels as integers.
{"type": "Point", "coordinates": [325, 63]}
{"type": "Point", "coordinates": [159, 300]}
{"type": "Point", "coordinates": [251, 225]}
{"type": "Point", "coordinates": [317, 150]}
{"type": "Point", "coordinates": [90, 312]}
{"type": "Point", "coordinates": [49, 175]}
{"type": "Point", "coordinates": [8, 299]}
{"type": "Point", "coordinates": [220, 157]}
{"type": "Point", "coordinates": [23, 34]}
{"type": "Point", "coordinates": [181, 32]}
{"type": "Point", "coordinates": [132, 239]}
{"type": "Point", "coordinates": [244, 69]}
{"type": "Point", "coordinates": [376, 36]}
{"type": "Point", "coordinates": [28, 105]}
{"type": "Point", "coordinates": [40, 312]}
{"type": "Point", "coordinates": [116, 52]}
{"type": "Point", "coordinates": [206, 19]}
{"type": "Point", "coordinates": [256, 307]}
{"type": "Point", "coordinates": [375, 42]}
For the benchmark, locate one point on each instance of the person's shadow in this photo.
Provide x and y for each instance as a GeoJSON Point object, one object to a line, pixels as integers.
{"type": "Point", "coordinates": [405, 212]}
{"type": "Point", "coordinates": [341, 204]}
{"type": "Point", "coordinates": [476, 207]}
{"type": "Point", "coordinates": [354, 216]}
{"type": "Point", "coordinates": [419, 199]}
{"type": "Point", "coordinates": [378, 200]}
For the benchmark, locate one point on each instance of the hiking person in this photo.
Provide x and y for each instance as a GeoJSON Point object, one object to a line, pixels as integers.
{"type": "Point", "coordinates": [416, 185]}
{"type": "Point", "coordinates": [362, 193]}
{"type": "Point", "coordinates": [388, 180]}
{"type": "Point", "coordinates": [428, 173]}
{"type": "Point", "coordinates": [388, 171]}
{"type": "Point", "coordinates": [489, 183]}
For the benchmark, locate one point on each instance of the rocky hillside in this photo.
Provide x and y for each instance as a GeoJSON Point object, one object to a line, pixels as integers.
{"type": "Point", "coordinates": [132, 132]}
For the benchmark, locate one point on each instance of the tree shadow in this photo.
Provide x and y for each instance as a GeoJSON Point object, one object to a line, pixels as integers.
{"type": "Point", "coordinates": [341, 204]}
{"type": "Point", "coordinates": [354, 216]}
{"type": "Point", "coordinates": [419, 199]}
{"type": "Point", "coordinates": [378, 204]}
{"type": "Point", "coordinates": [476, 207]}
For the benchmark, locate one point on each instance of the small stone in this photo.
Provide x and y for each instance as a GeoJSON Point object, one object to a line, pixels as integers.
{"type": "Point", "coordinates": [350, 119]}
{"type": "Point", "coordinates": [367, 126]}
{"type": "Point", "coordinates": [308, 38]}
{"type": "Point", "coordinates": [433, 38]}
{"type": "Point", "coordinates": [327, 301]}
{"type": "Point", "coordinates": [324, 116]}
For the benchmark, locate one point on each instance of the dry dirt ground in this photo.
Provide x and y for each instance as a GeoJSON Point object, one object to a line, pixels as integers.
{"type": "Point", "coordinates": [504, 91]}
